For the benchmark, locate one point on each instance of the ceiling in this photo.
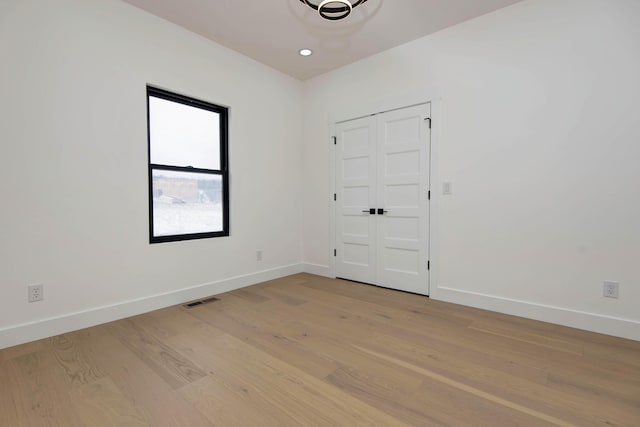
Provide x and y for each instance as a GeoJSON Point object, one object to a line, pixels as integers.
{"type": "Point", "coordinates": [272, 31]}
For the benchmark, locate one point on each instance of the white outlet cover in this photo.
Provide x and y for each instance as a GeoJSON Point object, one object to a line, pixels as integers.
{"type": "Point", "coordinates": [36, 292]}
{"type": "Point", "coordinates": [611, 289]}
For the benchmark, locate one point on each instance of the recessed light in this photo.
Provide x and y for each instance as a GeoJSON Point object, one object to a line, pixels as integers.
{"type": "Point", "coordinates": [305, 52]}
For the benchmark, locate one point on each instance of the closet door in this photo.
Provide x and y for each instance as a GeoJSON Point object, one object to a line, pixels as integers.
{"type": "Point", "coordinates": [402, 234]}
{"type": "Point", "coordinates": [356, 166]}
{"type": "Point", "coordinates": [382, 204]}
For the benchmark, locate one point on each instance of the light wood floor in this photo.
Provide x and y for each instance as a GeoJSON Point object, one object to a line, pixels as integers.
{"type": "Point", "coordinates": [309, 351]}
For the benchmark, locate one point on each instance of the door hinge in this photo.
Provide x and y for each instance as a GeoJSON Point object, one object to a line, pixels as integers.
{"type": "Point", "coordinates": [429, 195]}
{"type": "Point", "coordinates": [335, 139]}
{"type": "Point", "coordinates": [429, 120]}
{"type": "Point", "coordinates": [335, 252]}
{"type": "Point", "coordinates": [335, 197]}
{"type": "Point", "coordinates": [428, 265]}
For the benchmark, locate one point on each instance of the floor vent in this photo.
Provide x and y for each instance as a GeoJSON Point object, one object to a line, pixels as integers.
{"type": "Point", "coordinates": [201, 302]}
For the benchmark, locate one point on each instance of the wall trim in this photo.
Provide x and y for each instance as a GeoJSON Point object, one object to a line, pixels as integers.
{"type": "Point", "coordinates": [609, 325]}
{"type": "Point", "coordinates": [43, 328]}
{"type": "Point", "coordinates": [318, 270]}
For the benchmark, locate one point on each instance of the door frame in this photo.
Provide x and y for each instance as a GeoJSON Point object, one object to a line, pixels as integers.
{"type": "Point", "coordinates": [381, 106]}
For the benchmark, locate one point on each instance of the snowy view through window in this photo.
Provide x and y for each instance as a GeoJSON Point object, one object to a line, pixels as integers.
{"type": "Point", "coordinates": [186, 203]}
{"type": "Point", "coordinates": [186, 165]}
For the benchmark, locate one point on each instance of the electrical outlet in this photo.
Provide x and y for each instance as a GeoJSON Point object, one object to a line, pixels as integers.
{"type": "Point", "coordinates": [610, 289]}
{"type": "Point", "coordinates": [36, 292]}
{"type": "Point", "coordinates": [258, 255]}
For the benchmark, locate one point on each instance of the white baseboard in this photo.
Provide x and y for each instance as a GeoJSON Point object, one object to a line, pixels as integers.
{"type": "Point", "coordinates": [318, 270]}
{"type": "Point", "coordinates": [44, 328]}
{"type": "Point", "coordinates": [619, 327]}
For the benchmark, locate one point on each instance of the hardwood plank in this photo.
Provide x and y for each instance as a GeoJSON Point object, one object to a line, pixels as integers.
{"type": "Point", "coordinates": [383, 395]}
{"type": "Point", "coordinates": [101, 403]}
{"type": "Point", "coordinates": [473, 390]}
{"type": "Point", "coordinates": [72, 362]}
{"type": "Point", "coordinates": [450, 406]}
{"type": "Point", "coordinates": [535, 338]}
{"type": "Point", "coordinates": [8, 405]}
{"type": "Point", "coordinates": [574, 408]}
{"type": "Point", "coordinates": [167, 363]}
{"type": "Point", "coordinates": [375, 295]}
{"type": "Point", "coordinates": [274, 294]}
{"type": "Point", "coordinates": [21, 350]}
{"type": "Point", "coordinates": [224, 401]}
{"type": "Point", "coordinates": [224, 396]}
{"type": "Point", "coordinates": [155, 399]}
{"type": "Point", "coordinates": [301, 396]}
{"type": "Point", "coordinates": [252, 297]}
{"type": "Point", "coordinates": [268, 333]}
{"type": "Point", "coordinates": [38, 397]}
{"type": "Point", "coordinates": [167, 322]}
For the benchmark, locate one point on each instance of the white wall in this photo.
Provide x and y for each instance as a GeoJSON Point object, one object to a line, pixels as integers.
{"type": "Point", "coordinates": [540, 137]}
{"type": "Point", "coordinates": [73, 181]}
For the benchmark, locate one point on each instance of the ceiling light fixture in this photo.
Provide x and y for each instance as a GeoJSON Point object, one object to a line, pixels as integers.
{"type": "Point", "coordinates": [305, 52]}
{"type": "Point", "coordinates": [333, 10]}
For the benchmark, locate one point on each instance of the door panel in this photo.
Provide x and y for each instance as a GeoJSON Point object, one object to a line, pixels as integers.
{"type": "Point", "coordinates": [403, 147]}
{"type": "Point", "coordinates": [356, 192]}
{"type": "Point", "coordinates": [402, 163]}
{"type": "Point", "coordinates": [382, 162]}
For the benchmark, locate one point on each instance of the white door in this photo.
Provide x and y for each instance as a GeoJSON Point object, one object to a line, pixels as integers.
{"type": "Point", "coordinates": [356, 193]}
{"type": "Point", "coordinates": [403, 147]}
{"type": "Point", "coordinates": [382, 163]}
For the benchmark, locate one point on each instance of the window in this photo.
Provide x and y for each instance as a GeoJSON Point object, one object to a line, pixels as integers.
{"type": "Point", "coordinates": [188, 167]}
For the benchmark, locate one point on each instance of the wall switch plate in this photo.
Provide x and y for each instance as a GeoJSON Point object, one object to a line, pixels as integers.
{"type": "Point", "coordinates": [447, 188]}
{"type": "Point", "coordinates": [610, 289]}
{"type": "Point", "coordinates": [258, 255]}
{"type": "Point", "coordinates": [36, 292]}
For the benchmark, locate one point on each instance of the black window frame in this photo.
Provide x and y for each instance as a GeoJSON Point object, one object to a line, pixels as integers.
{"type": "Point", "coordinates": [222, 172]}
